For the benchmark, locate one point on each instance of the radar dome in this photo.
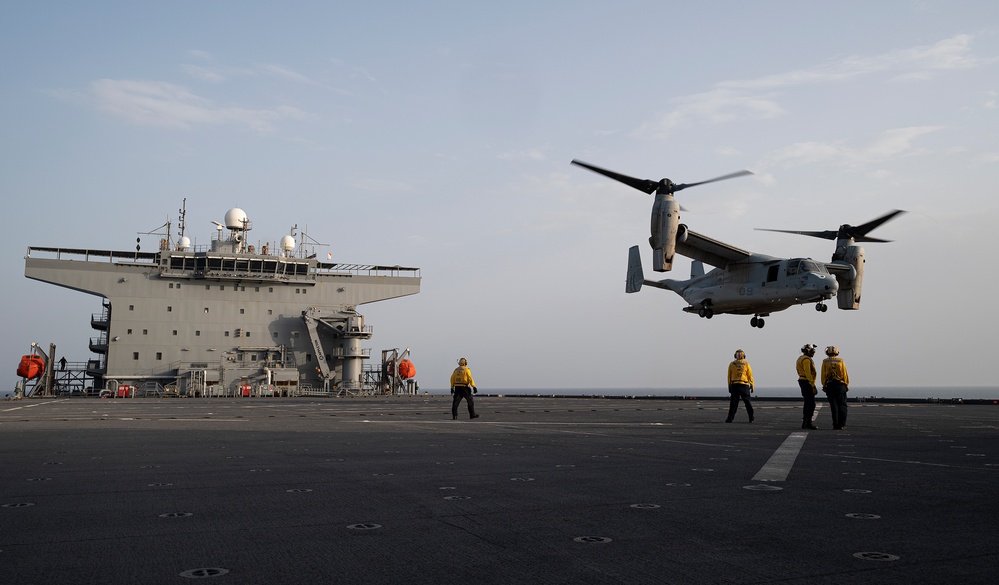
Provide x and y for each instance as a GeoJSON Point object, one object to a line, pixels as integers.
{"type": "Point", "coordinates": [287, 243]}
{"type": "Point", "coordinates": [235, 219]}
{"type": "Point", "coordinates": [184, 243]}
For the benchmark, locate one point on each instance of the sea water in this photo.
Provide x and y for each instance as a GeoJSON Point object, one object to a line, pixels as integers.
{"type": "Point", "coordinates": [856, 392]}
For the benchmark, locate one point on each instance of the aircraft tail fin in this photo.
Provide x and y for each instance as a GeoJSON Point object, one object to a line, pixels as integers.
{"type": "Point", "coordinates": [635, 273]}
{"type": "Point", "coordinates": [696, 268]}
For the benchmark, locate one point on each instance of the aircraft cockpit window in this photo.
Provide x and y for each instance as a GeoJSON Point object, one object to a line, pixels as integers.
{"type": "Point", "coordinates": [811, 266]}
{"type": "Point", "coordinates": [792, 267]}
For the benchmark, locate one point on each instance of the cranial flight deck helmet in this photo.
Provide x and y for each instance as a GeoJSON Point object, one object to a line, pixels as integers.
{"type": "Point", "coordinates": [462, 362]}
{"type": "Point", "coordinates": [740, 355]}
{"type": "Point", "coordinates": [832, 350]}
{"type": "Point", "coordinates": [808, 349]}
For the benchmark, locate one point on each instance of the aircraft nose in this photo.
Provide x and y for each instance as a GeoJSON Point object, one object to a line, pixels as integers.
{"type": "Point", "coordinates": [823, 283]}
{"type": "Point", "coordinates": [826, 282]}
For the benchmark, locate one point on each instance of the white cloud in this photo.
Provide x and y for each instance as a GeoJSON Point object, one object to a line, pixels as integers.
{"type": "Point", "coordinates": [889, 145]}
{"type": "Point", "coordinates": [715, 106]}
{"type": "Point", "coordinates": [204, 73]}
{"type": "Point", "coordinates": [156, 103]}
{"type": "Point", "coordinates": [200, 55]}
{"type": "Point", "coordinates": [287, 73]}
{"type": "Point", "coordinates": [758, 98]}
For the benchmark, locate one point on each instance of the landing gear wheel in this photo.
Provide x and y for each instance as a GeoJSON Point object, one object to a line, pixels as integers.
{"type": "Point", "coordinates": [821, 307]}
{"type": "Point", "coordinates": [703, 312]}
{"type": "Point", "coordinates": [757, 322]}
{"type": "Point", "coordinates": [824, 308]}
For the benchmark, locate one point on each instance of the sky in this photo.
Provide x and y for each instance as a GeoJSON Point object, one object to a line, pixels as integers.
{"type": "Point", "coordinates": [439, 135]}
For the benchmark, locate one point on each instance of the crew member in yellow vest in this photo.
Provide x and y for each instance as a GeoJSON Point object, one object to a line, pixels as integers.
{"type": "Point", "coordinates": [806, 381]}
{"type": "Point", "coordinates": [740, 385]}
{"type": "Point", "coordinates": [463, 386]}
{"type": "Point", "coordinates": [835, 383]}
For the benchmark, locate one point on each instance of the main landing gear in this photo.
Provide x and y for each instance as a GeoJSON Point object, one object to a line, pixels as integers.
{"type": "Point", "coordinates": [821, 307]}
{"type": "Point", "coordinates": [757, 321]}
{"type": "Point", "coordinates": [705, 310]}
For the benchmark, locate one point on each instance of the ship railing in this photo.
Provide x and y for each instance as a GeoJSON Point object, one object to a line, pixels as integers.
{"type": "Point", "coordinates": [339, 352]}
{"type": "Point", "coordinates": [88, 255]}
{"type": "Point", "coordinates": [366, 269]}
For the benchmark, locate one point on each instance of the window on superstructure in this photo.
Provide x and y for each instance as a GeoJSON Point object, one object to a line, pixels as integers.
{"type": "Point", "coordinates": [246, 333]}
{"type": "Point", "coordinates": [208, 287]}
{"type": "Point", "coordinates": [171, 285]}
{"type": "Point", "coordinates": [129, 332]}
{"type": "Point", "coordinates": [145, 332]}
{"type": "Point", "coordinates": [169, 309]}
{"type": "Point", "coordinates": [197, 333]}
{"type": "Point", "coordinates": [242, 311]}
{"type": "Point", "coordinates": [270, 311]}
{"type": "Point", "coordinates": [175, 332]}
{"type": "Point", "coordinates": [135, 355]}
{"type": "Point", "coordinates": [222, 287]}
{"type": "Point", "coordinates": [131, 307]}
{"type": "Point", "coordinates": [159, 356]}
{"type": "Point", "coordinates": [227, 334]}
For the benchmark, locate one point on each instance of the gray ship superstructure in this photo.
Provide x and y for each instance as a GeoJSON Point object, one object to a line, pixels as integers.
{"type": "Point", "coordinates": [226, 319]}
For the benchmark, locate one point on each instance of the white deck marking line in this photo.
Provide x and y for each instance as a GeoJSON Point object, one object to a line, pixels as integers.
{"type": "Point", "coordinates": [33, 405]}
{"type": "Point", "coordinates": [779, 465]}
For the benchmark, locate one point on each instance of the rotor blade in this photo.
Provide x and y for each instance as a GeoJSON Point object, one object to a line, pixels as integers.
{"type": "Point", "coordinates": [858, 233]}
{"type": "Point", "coordinates": [645, 185]}
{"type": "Point", "coordinates": [682, 186]}
{"type": "Point", "coordinates": [826, 235]}
{"type": "Point", "coordinates": [862, 230]}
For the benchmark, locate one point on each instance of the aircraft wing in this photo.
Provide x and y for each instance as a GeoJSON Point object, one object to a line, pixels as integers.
{"type": "Point", "coordinates": [837, 267]}
{"type": "Point", "coordinates": [710, 251]}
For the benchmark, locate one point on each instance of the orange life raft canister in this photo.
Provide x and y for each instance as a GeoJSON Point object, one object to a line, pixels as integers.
{"type": "Point", "coordinates": [406, 369]}
{"type": "Point", "coordinates": [31, 366]}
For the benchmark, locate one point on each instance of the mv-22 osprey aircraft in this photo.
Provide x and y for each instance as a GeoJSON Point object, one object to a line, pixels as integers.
{"type": "Point", "coordinates": [744, 283]}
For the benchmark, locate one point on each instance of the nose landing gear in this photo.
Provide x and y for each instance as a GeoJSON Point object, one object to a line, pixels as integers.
{"type": "Point", "coordinates": [821, 307]}
{"type": "Point", "coordinates": [757, 321]}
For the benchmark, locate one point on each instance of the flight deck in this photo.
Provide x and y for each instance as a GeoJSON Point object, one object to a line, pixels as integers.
{"type": "Point", "coordinates": [538, 490]}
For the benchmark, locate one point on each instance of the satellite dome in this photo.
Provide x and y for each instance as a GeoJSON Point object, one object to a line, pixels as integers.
{"type": "Point", "coordinates": [184, 243]}
{"type": "Point", "coordinates": [235, 219]}
{"type": "Point", "coordinates": [287, 243]}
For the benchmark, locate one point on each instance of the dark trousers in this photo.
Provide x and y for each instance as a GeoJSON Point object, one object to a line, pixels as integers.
{"type": "Point", "coordinates": [836, 392]}
{"type": "Point", "coordinates": [739, 392]}
{"type": "Point", "coordinates": [459, 393]}
{"type": "Point", "coordinates": [808, 393]}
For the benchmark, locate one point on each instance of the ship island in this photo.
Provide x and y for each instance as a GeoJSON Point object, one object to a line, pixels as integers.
{"type": "Point", "coordinates": [226, 319]}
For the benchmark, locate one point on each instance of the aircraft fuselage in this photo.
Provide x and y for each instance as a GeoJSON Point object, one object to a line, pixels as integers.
{"type": "Point", "coordinates": [759, 286]}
